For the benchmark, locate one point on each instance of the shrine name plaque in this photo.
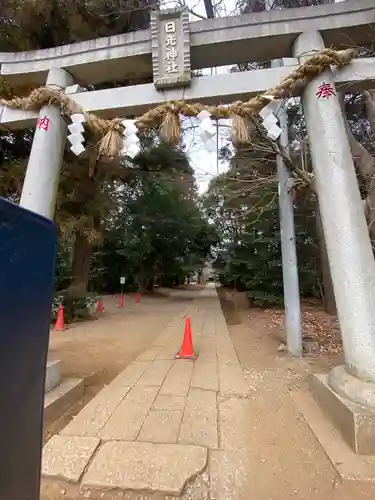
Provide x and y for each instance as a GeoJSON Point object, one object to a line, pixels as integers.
{"type": "Point", "coordinates": [170, 40]}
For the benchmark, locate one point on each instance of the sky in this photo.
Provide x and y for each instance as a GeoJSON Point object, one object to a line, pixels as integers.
{"type": "Point", "coordinates": [206, 164]}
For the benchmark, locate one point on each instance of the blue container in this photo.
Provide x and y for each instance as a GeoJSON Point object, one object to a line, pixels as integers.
{"type": "Point", "coordinates": [28, 244]}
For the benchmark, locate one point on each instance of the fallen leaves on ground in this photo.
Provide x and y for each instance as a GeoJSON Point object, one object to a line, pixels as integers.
{"type": "Point", "coordinates": [318, 327]}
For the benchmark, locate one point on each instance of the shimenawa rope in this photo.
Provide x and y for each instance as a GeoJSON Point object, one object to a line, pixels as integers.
{"type": "Point", "coordinates": [167, 114]}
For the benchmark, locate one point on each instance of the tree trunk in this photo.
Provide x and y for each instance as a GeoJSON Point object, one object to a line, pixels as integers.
{"type": "Point", "coordinates": [81, 263]}
{"type": "Point", "coordinates": [150, 284]}
{"type": "Point", "coordinates": [363, 160]}
{"type": "Point", "coordinates": [369, 97]}
{"type": "Point", "coordinates": [329, 296]}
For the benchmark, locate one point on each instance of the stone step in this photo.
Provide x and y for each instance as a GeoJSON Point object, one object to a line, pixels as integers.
{"type": "Point", "coordinates": [53, 375]}
{"type": "Point", "coordinates": [62, 397]}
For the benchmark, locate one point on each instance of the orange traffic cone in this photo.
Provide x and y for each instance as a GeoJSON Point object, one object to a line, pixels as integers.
{"type": "Point", "coordinates": [99, 307]}
{"type": "Point", "coordinates": [137, 297]}
{"type": "Point", "coordinates": [59, 326]}
{"type": "Point", "coordinates": [121, 303]}
{"type": "Point", "coordinates": [187, 351]}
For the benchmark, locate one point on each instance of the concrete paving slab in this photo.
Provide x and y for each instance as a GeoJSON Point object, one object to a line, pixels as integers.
{"type": "Point", "coordinates": [156, 373]}
{"type": "Point", "coordinates": [148, 467]}
{"type": "Point", "coordinates": [176, 322]}
{"type": "Point", "coordinates": [161, 426]}
{"type": "Point", "coordinates": [178, 379]}
{"type": "Point", "coordinates": [209, 334]}
{"type": "Point", "coordinates": [127, 420]}
{"type": "Point", "coordinates": [169, 402]}
{"type": "Point", "coordinates": [205, 376]}
{"type": "Point", "coordinates": [208, 329]}
{"type": "Point", "coordinates": [66, 457]}
{"type": "Point", "coordinates": [199, 424]}
{"type": "Point", "coordinates": [227, 356]}
{"type": "Point", "coordinates": [149, 354]}
{"type": "Point", "coordinates": [131, 374]}
{"type": "Point", "coordinates": [196, 324]}
{"type": "Point", "coordinates": [222, 332]}
{"type": "Point", "coordinates": [206, 349]}
{"type": "Point", "coordinates": [232, 380]}
{"type": "Point", "coordinates": [226, 352]}
{"type": "Point", "coordinates": [223, 335]}
{"type": "Point", "coordinates": [220, 323]}
{"type": "Point", "coordinates": [96, 413]}
{"type": "Point", "coordinates": [163, 338]}
{"type": "Point", "coordinates": [170, 349]}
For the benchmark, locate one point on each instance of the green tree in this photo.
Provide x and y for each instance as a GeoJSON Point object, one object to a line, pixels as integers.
{"type": "Point", "coordinates": [41, 24]}
{"type": "Point", "coordinates": [244, 205]}
{"type": "Point", "coordinates": [157, 234]}
{"type": "Point", "coordinates": [84, 199]}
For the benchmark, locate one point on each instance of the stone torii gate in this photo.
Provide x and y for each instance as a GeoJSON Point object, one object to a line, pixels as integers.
{"type": "Point", "coordinates": [258, 36]}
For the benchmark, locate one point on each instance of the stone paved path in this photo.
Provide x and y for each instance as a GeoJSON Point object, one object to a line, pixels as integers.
{"type": "Point", "coordinates": [159, 423]}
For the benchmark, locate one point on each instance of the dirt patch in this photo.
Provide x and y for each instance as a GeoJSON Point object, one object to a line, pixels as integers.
{"type": "Point", "coordinates": [284, 458]}
{"type": "Point", "coordinates": [320, 331]}
{"type": "Point", "coordinates": [232, 303]}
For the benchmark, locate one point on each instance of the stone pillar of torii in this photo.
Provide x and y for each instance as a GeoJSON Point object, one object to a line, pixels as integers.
{"type": "Point", "coordinates": [43, 169]}
{"type": "Point", "coordinates": [349, 249]}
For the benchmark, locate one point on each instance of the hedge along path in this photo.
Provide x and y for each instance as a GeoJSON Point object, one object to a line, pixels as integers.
{"type": "Point", "coordinates": [167, 114]}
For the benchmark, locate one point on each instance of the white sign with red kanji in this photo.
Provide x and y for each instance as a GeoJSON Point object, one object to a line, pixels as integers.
{"type": "Point", "coordinates": [43, 123]}
{"type": "Point", "coordinates": [325, 91]}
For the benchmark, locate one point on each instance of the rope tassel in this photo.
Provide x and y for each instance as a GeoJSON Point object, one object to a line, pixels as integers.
{"type": "Point", "coordinates": [240, 130]}
{"type": "Point", "coordinates": [170, 129]}
{"type": "Point", "coordinates": [110, 143]}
